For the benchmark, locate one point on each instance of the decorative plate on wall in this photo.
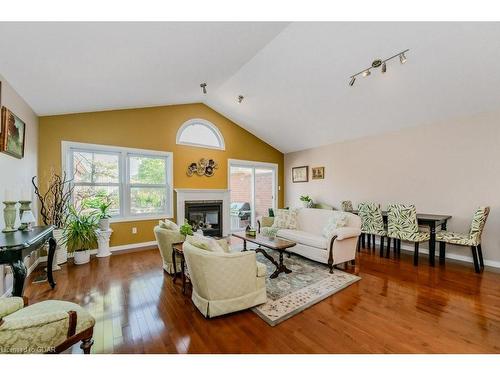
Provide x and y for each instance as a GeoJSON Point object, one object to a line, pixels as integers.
{"type": "Point", "coordinates": [204, 167]}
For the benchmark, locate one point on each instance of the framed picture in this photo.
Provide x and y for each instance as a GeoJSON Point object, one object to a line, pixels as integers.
{"type": "Point", "coordinates": [300, 174]}
{"type": "Point", "coordinates": [12, 134]}
{"type": "Point", "coordinates": [318, 173]}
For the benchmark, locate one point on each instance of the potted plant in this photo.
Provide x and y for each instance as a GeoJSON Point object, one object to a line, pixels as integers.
{"type": "Point", "coordinates": [104, 216]}
{"type": "Point", "coordinates": [54, 202]}
{"type": "Point", "coordinates": [306, 201]}
{"type": "Point", "coordinates": [79, 234]}
{"type": "Point", "coordinates": [186, 229]}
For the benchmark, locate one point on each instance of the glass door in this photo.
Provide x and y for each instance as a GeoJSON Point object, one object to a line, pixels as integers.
{"type": "Point", "coordinates": [253, 192]}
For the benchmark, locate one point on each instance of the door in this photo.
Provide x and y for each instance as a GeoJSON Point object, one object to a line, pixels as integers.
{"type": "Point", "coordinates": [253, 192]}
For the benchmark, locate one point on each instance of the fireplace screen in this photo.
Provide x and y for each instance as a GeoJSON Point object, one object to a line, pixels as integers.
{"type": "Point", "coordinates": [205, 215]}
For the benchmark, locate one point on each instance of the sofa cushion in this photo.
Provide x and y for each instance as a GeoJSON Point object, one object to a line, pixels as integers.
{"type": "Point", "coordinates": [304, 238]}
{"type": "Point", "coordinates": [286, 219]}
{"type": "Point", "coordinates": [313, 220]}
{"type": "Point", "coordinates": [334, 222]}
{"type": "Point", "coordinates": [205, 243]}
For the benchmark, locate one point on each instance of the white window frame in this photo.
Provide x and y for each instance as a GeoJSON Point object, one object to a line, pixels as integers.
{"type": "Point", "coordinates": [123, 168]}
{"type": "Point", "coordinates": [254, 165]}
{"type": "Point", "coordinates": [206, 123]}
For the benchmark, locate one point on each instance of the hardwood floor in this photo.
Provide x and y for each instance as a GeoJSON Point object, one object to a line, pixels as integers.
{"type": "Point", "coordinates": [395, 308]}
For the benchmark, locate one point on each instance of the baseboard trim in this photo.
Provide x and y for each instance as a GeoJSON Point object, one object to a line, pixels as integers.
{"type": "Point", "coordinates": [462, 258]}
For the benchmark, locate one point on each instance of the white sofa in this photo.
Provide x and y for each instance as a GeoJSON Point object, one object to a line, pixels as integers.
{"type": "Point", "coordinates": [339, 248]}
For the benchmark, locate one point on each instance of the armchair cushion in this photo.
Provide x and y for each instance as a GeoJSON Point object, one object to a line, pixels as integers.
{"type": "Point", "coordinates": [205, 243]}
{"type": "Point", "coordinates": [10, 305]}
{"type": "Point", "coordinates": [167, 224]}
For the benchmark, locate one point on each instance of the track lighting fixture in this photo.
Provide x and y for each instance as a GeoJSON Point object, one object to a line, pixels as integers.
{"type": "Point", "coordinates": [402, 58]}
{"type": "Point", "coordinates": [240, 98]}
{"type": "Point", "coordinates": [203, 87]}
{"type": "Point", "coordinates": [378, 63]}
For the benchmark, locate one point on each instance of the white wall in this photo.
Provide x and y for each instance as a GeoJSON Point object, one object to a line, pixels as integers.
{"type": "Point", "coordinates": [17, 173]}
{"type": "Point", "coordinates": [444, 168]}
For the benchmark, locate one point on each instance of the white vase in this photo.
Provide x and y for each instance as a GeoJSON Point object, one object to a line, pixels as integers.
{"type": "Point", "coordinates": [61, 255]}
{"type": "Point", "coordinates": [81, 257]}
{"type": "Point", "coordinates": [104, 224]}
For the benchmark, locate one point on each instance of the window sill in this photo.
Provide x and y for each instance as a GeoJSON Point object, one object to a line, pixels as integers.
{"type": "Point", "coordinates": [140, 218]}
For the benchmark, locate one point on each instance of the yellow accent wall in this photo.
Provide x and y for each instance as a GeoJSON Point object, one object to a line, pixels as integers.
{"type": "Point", "coordinates": [153, 128]}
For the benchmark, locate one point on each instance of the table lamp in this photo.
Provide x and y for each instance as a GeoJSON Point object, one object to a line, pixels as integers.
{"type": "Point", "coordinates": [28, 219]}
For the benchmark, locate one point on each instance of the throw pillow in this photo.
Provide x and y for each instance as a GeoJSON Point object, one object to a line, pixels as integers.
{"type": "Point", "coordinates": [285, 219]}
{"type": "Point", "coordinates": [334, 222]}
{"type": "Point", "coordinates": [167, 224]}
{"type": "Point", "coordinates": [205, 243]}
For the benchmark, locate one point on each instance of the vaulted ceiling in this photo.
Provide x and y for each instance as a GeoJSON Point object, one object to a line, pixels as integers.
{"type": "Point", "coordinates": [293, 76]}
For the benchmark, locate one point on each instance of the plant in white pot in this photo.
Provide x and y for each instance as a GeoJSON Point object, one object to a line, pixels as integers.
{"type": "Point", "coordinates": [306, 201]}
{"type": "Point", "coordinates": [104, 216]}
{"type": "Point", "coordinates": [54, 202]}
{"type": "Point", "coordinates": [79, 235]}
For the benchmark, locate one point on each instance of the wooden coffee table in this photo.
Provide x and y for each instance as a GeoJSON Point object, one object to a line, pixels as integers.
{"type": "Point", "coordinates": [279, 244]}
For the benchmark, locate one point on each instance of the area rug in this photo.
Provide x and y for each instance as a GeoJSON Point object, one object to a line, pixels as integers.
{"type": "Point", "coordinates": [307, 284]}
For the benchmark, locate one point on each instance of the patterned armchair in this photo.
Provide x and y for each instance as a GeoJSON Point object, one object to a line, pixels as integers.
{"type": "Point", "coordinates": [224, 282]}
{"type": "Point", "coordinates": [472, 239]}
{"type": "Point", "coordinates": [165, 238]}
{"type": "Point", "coordinates": [402, 224]}
{"type": "Point", "coordinates": [45, 327]}
{"type": "Point", "coordinates": [372, 223]}
{"type": "Point", "coordinates": [346, 206]}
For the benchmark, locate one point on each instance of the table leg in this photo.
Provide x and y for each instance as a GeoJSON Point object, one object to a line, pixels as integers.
{"type": "Point", "coordinates": [175, 266]}
{"type": "Point", "coordinates": [19, 272]}
{"type": "Point", "coordinates": [50, 261]}
{"type": "Point", "coordinates": [183, 276]}
{"type": "Point", "coordinates": [442, 247]}
{"type": "Point", "coordinates": [280, 266]}
{"type": "Point", "coordinates": [244, 245]}
{"type": "Point", "coordinates": [432, 245]}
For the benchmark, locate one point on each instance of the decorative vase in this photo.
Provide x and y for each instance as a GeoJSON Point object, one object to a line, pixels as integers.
{"type": "Point", "coordinates": [104, 224]}
{"type": "Point", "coordinates": [25, 206]}
{"type": "Point", "coordinates": [81, 257]}
{"type": "Point", "coordinates": [61, 250]}
{"type": "Point", "coordinates": [9, 215]}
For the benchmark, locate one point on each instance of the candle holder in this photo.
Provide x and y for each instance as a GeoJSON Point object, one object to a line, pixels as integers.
{"type": "Point", "coordinates": [25, 206]}
{"type": "Point", "coordinates": [9, 215]}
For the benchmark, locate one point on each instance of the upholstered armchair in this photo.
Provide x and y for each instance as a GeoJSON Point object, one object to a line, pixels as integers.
{"type": "Point", "coordinates": [224, 282]}
{"type": "Point", "coordinates": [165, 238]}
{"type": "Point", "coordinates": [346, 206]}
{"type": "Point", "coordinates": [372, 223]}
{"type": "Point", "coordinates": [45, 327]}
{"type": "Point", "coordinates": [402, 224]}
{"type": "Point", "coordinates": [472, 239]}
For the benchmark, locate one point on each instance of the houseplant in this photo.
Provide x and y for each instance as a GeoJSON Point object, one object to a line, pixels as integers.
{"type": "Point", "coordinates": [306, 201]}
{"type": "Point", "coordinates": [186, 229]}
{"type": "Point", "coordinates": [104, 216]}
{"type": "Point", "coordinates": [54, 202]}
{"type": "Point", "coordinates": [79, 234]}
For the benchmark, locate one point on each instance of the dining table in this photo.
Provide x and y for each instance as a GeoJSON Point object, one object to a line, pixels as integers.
{"type": "Point", "coordinates": [432, 221]}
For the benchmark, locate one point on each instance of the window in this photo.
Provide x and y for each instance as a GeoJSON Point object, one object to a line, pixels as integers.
{"type": "Point", "coordinates": [137, 183]}
{"type": "Point", "coordinates": [200, 133]}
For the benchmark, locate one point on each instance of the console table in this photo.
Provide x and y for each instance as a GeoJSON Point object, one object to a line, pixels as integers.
{"type": "Point", "coordinates": [15, 246]}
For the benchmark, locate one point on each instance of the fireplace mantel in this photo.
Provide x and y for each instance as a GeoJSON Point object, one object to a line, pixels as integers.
{"type": "Point", "coordinates": [184, 195]}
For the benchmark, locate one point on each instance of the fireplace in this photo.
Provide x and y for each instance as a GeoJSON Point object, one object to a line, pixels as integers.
{"type": "Point", "coordinates": [205, 215]}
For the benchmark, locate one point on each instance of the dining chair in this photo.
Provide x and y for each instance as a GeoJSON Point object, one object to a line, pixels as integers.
{"type": "Point", "coordinates": [372, 223]}
{"type": "Point", "coordinates": [472, 239]}
{"type": "Point", "coordinates": [402, 225]}
{"type": "Point", "coordinates": [346, 206]}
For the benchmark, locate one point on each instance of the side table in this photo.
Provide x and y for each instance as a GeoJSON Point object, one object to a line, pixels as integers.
{"type": "Point", "coordinates": [177, 251]}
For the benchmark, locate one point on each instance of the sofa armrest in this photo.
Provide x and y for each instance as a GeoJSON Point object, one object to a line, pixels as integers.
{"type": "Point", "coordinates": [347, 232]}
{"type": "Point", "coordinates": [10, 305]}
{"type": "Point", "coordinates": [265, 221]}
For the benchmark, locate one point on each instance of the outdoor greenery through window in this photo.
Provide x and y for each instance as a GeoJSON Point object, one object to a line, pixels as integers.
{"type": "Point", "coordinates": [136, 183]}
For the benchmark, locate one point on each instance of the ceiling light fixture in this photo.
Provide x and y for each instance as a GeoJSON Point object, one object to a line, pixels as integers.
{"type": "Point", "coordinates": [240, 98]}
{"type": "Point", "coordinates": [378, 63]}
{"type": "Point", "coordinates": [203, 87]}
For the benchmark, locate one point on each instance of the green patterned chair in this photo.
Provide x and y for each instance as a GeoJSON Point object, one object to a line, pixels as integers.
{"type": "Point", "coordinates": [471, 239]}
{"type": "Point", "coordinates": [346, 206]}
{"type": "Point", "coordinates": [45, 327]}
{"type": "Point", "coordinates": [372, 223]}
{"type": "Point", "coordinates": [402, 225]}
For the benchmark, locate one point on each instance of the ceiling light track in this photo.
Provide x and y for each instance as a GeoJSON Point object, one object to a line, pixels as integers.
{"type": "Point", "coordinates": [379, 63]}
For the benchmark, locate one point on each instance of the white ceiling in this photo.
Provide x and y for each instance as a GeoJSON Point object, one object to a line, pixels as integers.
{"type": "Point", "coordinates": [294, 76]}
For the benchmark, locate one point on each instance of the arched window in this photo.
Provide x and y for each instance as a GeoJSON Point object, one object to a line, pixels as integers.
{"type": "Point", "coordinates": [200, 133]}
